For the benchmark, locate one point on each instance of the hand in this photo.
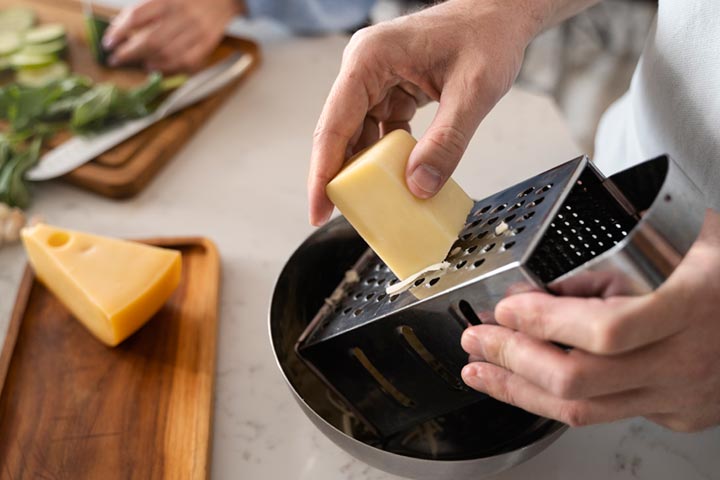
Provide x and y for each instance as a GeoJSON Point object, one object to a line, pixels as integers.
{"type": "Point", "coordinates": [169, 35]}
{"type": "Point", "coordinates": [656, 355]}
{"type": "Point", "coordinates": [463, 53]}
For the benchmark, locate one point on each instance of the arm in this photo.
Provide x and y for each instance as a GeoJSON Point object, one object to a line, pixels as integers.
{"type": "Point", "coordinates": [463, 53]}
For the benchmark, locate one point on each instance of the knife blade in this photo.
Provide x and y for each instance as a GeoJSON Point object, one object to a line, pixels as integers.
{"type": "Point", "coordinates": [81, 149]}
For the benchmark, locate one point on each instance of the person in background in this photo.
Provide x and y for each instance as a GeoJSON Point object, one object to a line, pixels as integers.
{"type": "Point", "coordinates": [656, 355]}
{"type": "Point", "coordinates": [178, 35]}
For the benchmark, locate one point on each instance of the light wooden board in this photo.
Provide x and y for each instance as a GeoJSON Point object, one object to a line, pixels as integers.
{"type": "Point", "coordinates": [72, 408]}
{"type": "Point", "coordinates": [126, 169]}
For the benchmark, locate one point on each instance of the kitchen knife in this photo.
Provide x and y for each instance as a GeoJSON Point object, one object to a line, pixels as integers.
{"type": "Point", "coordinates": [81, 149]}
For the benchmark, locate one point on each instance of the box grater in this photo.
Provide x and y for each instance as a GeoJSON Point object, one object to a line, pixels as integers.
{"type": "Point", "coordinates": [396, 359]}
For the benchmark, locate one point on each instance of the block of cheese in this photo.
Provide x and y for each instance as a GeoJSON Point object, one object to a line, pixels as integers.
{"type": "Point", "coordinates": [111, 286]}
{"type": "Point", "coordinates": [407, 233]}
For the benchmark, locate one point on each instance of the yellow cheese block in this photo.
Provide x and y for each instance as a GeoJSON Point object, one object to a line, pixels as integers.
{"type": "Point", "coordinates": [408, 233]}
{"type": "Point", "coordinates": [112, 286]}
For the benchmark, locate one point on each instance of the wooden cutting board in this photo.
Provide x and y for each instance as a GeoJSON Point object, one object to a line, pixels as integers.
{"type": "Point", "coordinates": [72, 408]}
{"type": "Point", "coordinates": [126, 169]}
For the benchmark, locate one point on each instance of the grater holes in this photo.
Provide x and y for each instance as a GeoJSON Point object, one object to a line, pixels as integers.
{"type": "Point", "coordinates": [485, 209]}
{"type": "Point", "coordinates": [417, 346]}
{"type": "Point", "coordinates": [393, 297]}
{"type": "Point", "coordinates": [482, 235]}
{"type": "Point", "coordinates": [433, 281]}
{"type": "Point", "coordinates": [517, 205]}
{"type": "Point", "coordinates": [380, 297]}
{"type": "Point", "coordinates": [535, 203]}
{"type": "Point", "coordinates": [419, 281]}
{"type": "Point", "coordinates": [357, 312]}
{"type": "Point", "coordinates": [493, 220]}
{"type": "Point", "coordinates": [544, 189]}
{"type": "Point", "coordinates": [369, 296]}
{"type": "Point", "coordinates": [488, 247]}
{"type": "Point", "coordinates": [471, 249]}
{"type": "Point", "coordinates": [468, 313]}
{"type": "Point", "coordinates": [527, 216]}
{"type": "Point", "coordinates": [525, 192]}
{"type": "Point", "coordinates": [460, 264]}
{"type": "Point", "coordinates": [508, 245]}
{"type": "Point", "coordinates": [509, 218]}
{"type": "Point", "coordinates": [518, 230]}
{"type": "Point", "coordinates": [478, 263]}
{"type": "Point", "coordinates": [466, 236]}
{"type": "Point", "coordinates": [500, 208]}
{"type": "Point", "coordinates": [385, 385]}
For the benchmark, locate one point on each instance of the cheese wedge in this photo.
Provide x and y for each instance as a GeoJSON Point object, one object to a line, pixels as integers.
{"type": "Point", "coordinates": [112, 286]}
{"type": "Point", "coordinates": [406, 232]}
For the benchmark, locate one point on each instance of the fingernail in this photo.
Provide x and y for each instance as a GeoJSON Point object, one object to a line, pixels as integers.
{"type": "Point", "coordinates": [426, 178]}
{"type": "Point", "coordinates": [470, 377]}
{"type": "Point", "coordinates": [108, 42]}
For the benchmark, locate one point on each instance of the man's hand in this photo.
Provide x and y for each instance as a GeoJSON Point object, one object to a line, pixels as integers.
{"type": "Point", "coordinates": [169, 35]}
{"type": "Point", "coordinates": [656, 356]}
{"type": "Point", "coordinates": [463, 53]}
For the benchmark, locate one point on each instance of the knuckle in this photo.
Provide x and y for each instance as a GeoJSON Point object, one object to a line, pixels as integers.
{"type": "Point", "coordinates": [566, 381]}
{"type": "Point", "coordinates": [575, 414]}
{"type": "Point", "coordinates": [608, 336]}
{"type": "Point", "coordinates": [449, 139]}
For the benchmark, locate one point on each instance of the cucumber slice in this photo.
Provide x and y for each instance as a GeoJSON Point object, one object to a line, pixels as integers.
{"type": "Point", "coordinates": [45, 33]}
{"type": "Point", "coordinates": [25, 60]}
{"type": "Point", "coordinates": [39, 77]}
{"type": "Point", "coordinates": [48, 48]}
{"type": "Point", "coordinates": [17, 19]}
{"type": "Point", "coordinates": [95, 27]}
{"type": "Point", "coordinates": [10, 42]}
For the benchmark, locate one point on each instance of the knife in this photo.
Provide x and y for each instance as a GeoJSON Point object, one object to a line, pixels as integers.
{"type": "Point", "coordinates": [81, 149]}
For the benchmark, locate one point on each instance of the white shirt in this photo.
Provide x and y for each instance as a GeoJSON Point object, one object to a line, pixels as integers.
{"type": "Point", "coordinates": [673, 104]}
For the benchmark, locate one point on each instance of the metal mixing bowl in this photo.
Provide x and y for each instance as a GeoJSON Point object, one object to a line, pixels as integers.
{"type": "Point", "coordinates": [477, 441]}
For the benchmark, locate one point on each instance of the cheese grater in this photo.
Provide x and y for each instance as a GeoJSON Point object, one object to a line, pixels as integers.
{"type": "Point", "coordinates": [396, 359]}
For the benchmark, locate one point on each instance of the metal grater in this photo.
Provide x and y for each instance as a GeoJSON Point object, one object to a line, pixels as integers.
{"type": "Point", "coordinates": [396, 359]}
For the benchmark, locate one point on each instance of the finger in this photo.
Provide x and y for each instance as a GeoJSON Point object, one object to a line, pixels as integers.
{"type": "Point", "coordinates": [343, 114]}
{"type": "Point", "coordinates": [148, 42]}
{"type": "Point", "coordinates": [571, 375]}
{"type": "Point", "coordinates": [438, 152]}
{"type": "Point", "coordinates": [515, 390]}
{"type": "Point", "coordinates": [132, 18]}
{"type": "Point", "coordinates": [688, 421]}
{"type": "Point", "coordinates": [603, 326]}
{"type": "Point", "coordinates": [187, 54]}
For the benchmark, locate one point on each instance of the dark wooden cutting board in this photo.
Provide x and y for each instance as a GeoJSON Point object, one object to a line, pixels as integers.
{"type": "Point", "coordinates": [126, 169]}
{"type": "Point", "coordinates": [73, 409]}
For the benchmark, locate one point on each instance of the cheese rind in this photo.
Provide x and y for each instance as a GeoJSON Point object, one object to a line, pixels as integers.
{"type": "Point", "coordinates": [406, 232]}
{"type": "Point", "coordinates": [113, 287]}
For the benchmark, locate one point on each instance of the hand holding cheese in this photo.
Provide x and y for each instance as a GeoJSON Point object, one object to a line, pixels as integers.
{"type": "Point", "coordinates": [407, 233]}
{"type": "Point", "coordinates": [112, 286]}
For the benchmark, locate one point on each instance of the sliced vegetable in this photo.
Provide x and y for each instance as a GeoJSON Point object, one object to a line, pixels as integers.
{"type": "Point", "coordinates": [48, 48]}
{"type": "Point", "coordinates": [39, 77]}
{"type": "Point", "coordinates": [176, 81]}
{"type": "Point", "coordinates": [95, 28]}
{"type": "Point", "coordinates": [26, 60]}
{"type": "Point", "coordinates": [10, 42]}
{"type": "Point", "coordinates": [17, 19]}
{"type": "Point", "coordinates": [45, 33]}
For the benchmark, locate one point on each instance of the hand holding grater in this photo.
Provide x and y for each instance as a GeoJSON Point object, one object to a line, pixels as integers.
{"type": "Point", "coordinates": [396, 359]}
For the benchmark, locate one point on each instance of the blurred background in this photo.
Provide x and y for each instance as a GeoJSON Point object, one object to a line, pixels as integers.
{"type": "Point", "coordinates": [584, 64]}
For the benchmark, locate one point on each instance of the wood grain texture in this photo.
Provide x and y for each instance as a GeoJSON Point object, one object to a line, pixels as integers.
{"type": "Point", "coordinates": [126, 169]}
{"type": "Point", "coordinates": [72, 408]}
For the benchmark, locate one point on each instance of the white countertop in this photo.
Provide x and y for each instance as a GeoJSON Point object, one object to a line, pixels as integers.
{"type": "Point", "coordinates": [241, 182]}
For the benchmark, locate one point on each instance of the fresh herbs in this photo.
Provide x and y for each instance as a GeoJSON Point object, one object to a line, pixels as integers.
{"type": "Point", "coordinates": [75, 103]}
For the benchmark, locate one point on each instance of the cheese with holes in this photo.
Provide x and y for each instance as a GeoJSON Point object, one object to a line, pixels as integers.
{"type": "Point", "coordinates": [406, 232]}
{"type": "Point", "coordinates": [113, 287]}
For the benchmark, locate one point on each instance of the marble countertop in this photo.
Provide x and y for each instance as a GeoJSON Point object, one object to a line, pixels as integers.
{"type": "Point", "coordinates": [241, 182]}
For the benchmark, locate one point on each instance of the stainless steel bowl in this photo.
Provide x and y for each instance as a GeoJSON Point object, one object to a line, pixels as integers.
{"type": "Point", "coordinates": [477, 442]}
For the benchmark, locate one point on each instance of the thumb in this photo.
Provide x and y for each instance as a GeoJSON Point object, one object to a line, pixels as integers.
{"type": "Point", "coordinates": [438, 152]}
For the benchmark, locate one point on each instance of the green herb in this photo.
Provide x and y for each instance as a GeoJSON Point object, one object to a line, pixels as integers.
{"type": "Point", "coordinates": [35, 113]}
